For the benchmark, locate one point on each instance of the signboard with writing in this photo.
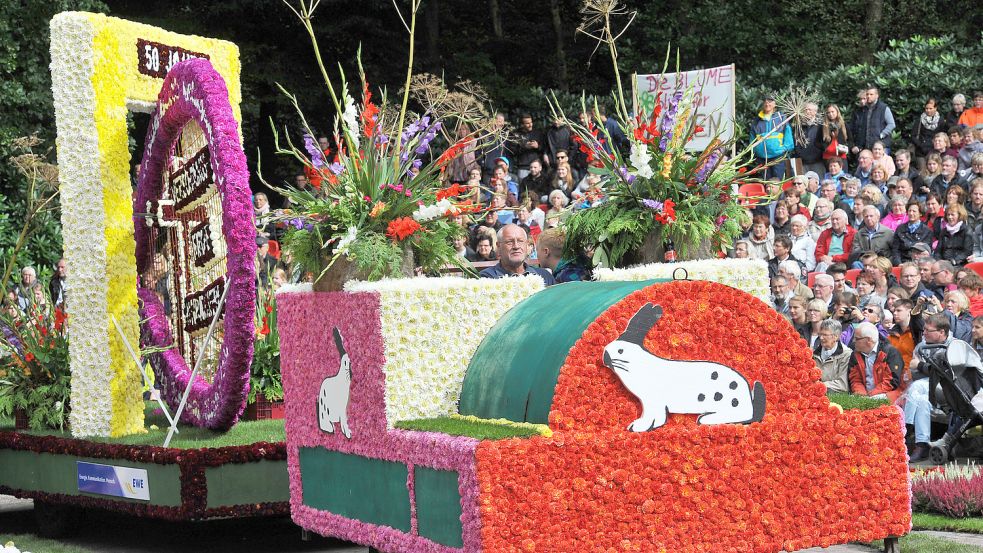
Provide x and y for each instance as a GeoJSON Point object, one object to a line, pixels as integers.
{"type": "Point", "coordinates": [156, 59]}
{"type": "Point", "coordinates": [715, 88]}
{"type": "Point", "coordinates": [200, 307]}
{"type": "Point", "coordinates": [200, 239]}
{"type": "Point", "coordinates": [112, 480]}
{"type": "Point", "coordinates": [190, 183]}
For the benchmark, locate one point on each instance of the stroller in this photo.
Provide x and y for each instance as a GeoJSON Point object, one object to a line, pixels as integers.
{"type": "Point", "coordinates": [956, 370]}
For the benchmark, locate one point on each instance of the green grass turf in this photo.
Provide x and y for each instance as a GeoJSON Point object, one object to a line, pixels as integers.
{"type": "Point", "coordinates": [190, 437]}
{"type": "Point", "coordinates": [34, 544]}
{"type": "Point", "coordinates": [934, 521]}
{"type": "Point", "coordinates": [850, 401]}
{"type": "Point", "coordinates": [480, 430]}
{"type": "Point", "coordinates": [929, 544]}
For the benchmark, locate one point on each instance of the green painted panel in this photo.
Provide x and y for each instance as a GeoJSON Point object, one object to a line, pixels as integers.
{"type": "Point", "coordinates": [369, 490]}
{"type": "Point", "coordinates": [261, 481]}
{"type": "Point", "coordinates": [51, 473]}
{"type": "Point", "coordinates": [438, 506]}
{"type": "Point", "coordinates": [514, 371]}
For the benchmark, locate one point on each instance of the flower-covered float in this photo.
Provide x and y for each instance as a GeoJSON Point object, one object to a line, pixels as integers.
{"type": "Point", "coordinates": [450, 415]}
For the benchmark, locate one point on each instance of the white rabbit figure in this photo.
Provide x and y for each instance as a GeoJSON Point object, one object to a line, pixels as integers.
{"type": "Point", "coordinates": [332, 400]}
{"type": "Point", "coordinates": [716, 392]}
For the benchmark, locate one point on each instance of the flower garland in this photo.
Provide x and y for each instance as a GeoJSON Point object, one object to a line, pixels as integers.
{"type": "Point", "coordinates": [193, 464]}
{"type": "Point", "coordinates": [807, 475]}
{"type": "Point", "coordinates": [194, 92]}
{"type": "Point", "coordinates": [749, 275]}
{"type": "Point", "coordinates": [94, 70]}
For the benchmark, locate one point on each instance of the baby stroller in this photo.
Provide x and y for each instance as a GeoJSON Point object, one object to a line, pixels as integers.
{"type": "Point", "coordinates": [956, 370]}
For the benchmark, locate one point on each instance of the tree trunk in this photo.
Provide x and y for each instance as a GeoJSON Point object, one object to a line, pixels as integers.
{"type": "Point", "coordinates": [496, 18]}
{"type": "Point", "coordinates": [875, 12]}
{"type": "Point", "coordinates": [431, 15]}
{"type": "Point", "coordinates": [561, 57]}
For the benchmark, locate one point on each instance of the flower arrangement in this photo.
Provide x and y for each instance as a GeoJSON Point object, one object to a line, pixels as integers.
{"type": "Point", "coordinates": [34, 375]}
{"type": "Point", "coordinates": [379, 207]}
{"type": "Point", "coordinates": [661, 191]}
{"type": "Point", "coordinates": [95, 64]}
{"type": "Point", "coordinates": [953, 490]}
{"type": "Point", "coordinates": [265, 377]}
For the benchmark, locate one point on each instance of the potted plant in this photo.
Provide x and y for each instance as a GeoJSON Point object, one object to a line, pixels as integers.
{"type": "Point", "coordinates": [35, 380]}
{"type": "Point", "coordinates": [265, 400]}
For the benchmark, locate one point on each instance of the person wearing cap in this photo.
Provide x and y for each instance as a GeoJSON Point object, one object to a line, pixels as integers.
{"type": "Point", "coordinates": [772, 139]}
{"type": "Point", "coordinates": [810, 152]}
{"type": "Point", "coordinates": [513, 248]}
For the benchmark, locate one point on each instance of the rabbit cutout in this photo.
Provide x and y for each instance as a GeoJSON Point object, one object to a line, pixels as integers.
{"type": "Point", "coordinates": [332, 400]}
{"type": "Point", "coordinates": [718, 393]}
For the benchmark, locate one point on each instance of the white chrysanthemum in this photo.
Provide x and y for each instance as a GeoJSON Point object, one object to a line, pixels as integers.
{"type": "Point", "coordinates": [749, 275]}
{"type": "Point", "coordinates": [641, 160]}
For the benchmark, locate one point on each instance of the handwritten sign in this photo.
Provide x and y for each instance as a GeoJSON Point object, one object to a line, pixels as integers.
{"type": "Point", "coordinates": [715, 99]}
{"type": "Point", "coordinates": [156, 59]}
{"type": "Point", "coordinates": [200, 241]}
{"type": "Point", "coordinates": [200, 307]}
{"type": "Point", "coordinates": [190, 182]}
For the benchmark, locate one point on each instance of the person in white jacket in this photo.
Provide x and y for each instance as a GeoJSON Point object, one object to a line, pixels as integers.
{"type": "Point", "coordinates": [803, 245]}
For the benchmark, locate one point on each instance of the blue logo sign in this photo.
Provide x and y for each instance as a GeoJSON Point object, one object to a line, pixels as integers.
{"type": "Point", "coordinates": [111, 480]}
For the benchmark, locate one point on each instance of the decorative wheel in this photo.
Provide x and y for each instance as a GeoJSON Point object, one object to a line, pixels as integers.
{"type": "Point", "coordinates": [195, 236]}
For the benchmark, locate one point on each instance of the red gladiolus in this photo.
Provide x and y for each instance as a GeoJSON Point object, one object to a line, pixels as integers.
{"type": "Point", "coordinates": [28, 357]}
{"type": "Point", "coordinates": [449, 192]}
{"type": "Point", "coordinates": [370, 113]}
{"type": "Point", "coordinates": [401, 228]}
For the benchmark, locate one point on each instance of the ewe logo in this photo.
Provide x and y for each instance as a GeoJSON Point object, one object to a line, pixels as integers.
{"type": "Point", "coordinates": [716, 392]}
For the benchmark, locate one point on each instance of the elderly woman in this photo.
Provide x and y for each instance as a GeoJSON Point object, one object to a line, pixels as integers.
{"type": "Point", "coordinates": [832, 357]}
{"type": "Point", "coordinates": [882, 159]}
{"type": "Point", "coordinates": [816, 313]}
{"type": "Point", "coordinates": [872, 195]}
{"type": "Point", "coordinates": [803, 245]}
{"type": "Point", "coordinates": [957, 304]}
{"type": "Point", "coordinates": [955, 238]}
{"type": "Point", "coordinates": [897, 214]}
{"type": "Point", "coordinates": [742, 249]}
{"type": "Point", "coordinates": [558, 201]}
{"type": "Point", "coordinates": [762, 238]}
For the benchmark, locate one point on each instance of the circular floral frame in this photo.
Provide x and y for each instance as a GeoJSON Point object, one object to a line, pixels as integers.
{"type": "Point", "coordinates": [194, 91]}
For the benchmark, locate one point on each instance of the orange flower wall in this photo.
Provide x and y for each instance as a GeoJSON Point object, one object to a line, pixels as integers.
{"type": "Point", "coordinates": [804, 476]}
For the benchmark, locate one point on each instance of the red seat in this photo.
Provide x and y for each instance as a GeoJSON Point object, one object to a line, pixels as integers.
{"type": "Point", "coordinates": [786, 185]}
{"type": "Point", "coordinates": [811, 278]}
{"type": "Point", "coordinates": [851, 276]}
{"type": "Point", "coordinates": [976, 266]}
{"type": "Point", "coordinates": [897, 273]}
{"type": "Point", "coordinates": [751, 194]}
{"type": "Point", "coordinates": [274, 249]}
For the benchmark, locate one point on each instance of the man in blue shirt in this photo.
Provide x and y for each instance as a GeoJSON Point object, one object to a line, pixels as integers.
{"type": "Point", "coordinates": [513, 248]}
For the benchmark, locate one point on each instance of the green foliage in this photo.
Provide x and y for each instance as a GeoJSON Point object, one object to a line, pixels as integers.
{"type": "Point", "coordinates": [614, 228]}
{"type": "Point", "coordinates": [376, 256]}
{"type": "Point", "coordinates": [932, 521]}
{"type": "Point", "coordinates": [30, 542]}
{"type": "Point", "coordinates": [929, 544]}
{"type": "Point", "coordinates": [479, 430]}
{"type": "Point", "coordinates": [850, 401]}
{"type": "Point", "coordinates": [264, 375]}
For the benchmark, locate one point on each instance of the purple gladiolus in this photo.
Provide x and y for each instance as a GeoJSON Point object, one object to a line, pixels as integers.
{"type": "Point", "coordinates": [708, 165]}
{"type": "Point", "coordinates": [336, 168]}
{"type": "Point", "coordinates": [625, 175]}
{"type": "Point", "coordinates": [314, 150]}
{"type": "Point", "coordinates": [652, 204]}
{"type": "Point", "coordinates": [669, 120]}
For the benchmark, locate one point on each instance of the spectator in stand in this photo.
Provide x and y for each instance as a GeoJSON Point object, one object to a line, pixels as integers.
{"type": "Point", "coordinates": [865, 163]}
{"type": "Point", "coordinates": [906, 331]}
{"type": "Point", "coordinates": [923, 132]}
{"type": "Point", "coordinates": [926, 265]}
{"type": "Point", "coordinates": [761, 239]}
{"type": "Point", "coordinates": [832, 357]}
{"type": "Point", "coordinates": [879, 178]}
{"type": "Point", "coordinates": [872, 196]}
{"type": "Point", "coordinates": [835, 171]}
{"type": "Point", "coordinates": [974, 216]}
{"type": "Point", "coordinates": [793, 273]}
{"type": "Point", "coordinates": [918, 406]}
{"type": "Point", "coordinates": [866, 293]}
{"type": "Point", "coordinates": [834, 138]}
{"type": "Point", "coordinates": [955, 240]}
{"type": "Point", "coordinates": [782, 246]}
{"type": "Point", "coordinates": [943, 279]}
{"type": "Point", "coordinates": [529, 145]}
{"type": "Point", "coordinates": [563, 180]}
{"type": "Point", "coordinates": [803, 245]}
{"type": "Point", "coordinates": [820, 217]}
{"type": "Point", "coordinates": [933, 213]}
{"type": "Point", "coordinates": [856, 216]}
{"type": "Point", "coordinates": [822, 288]}
{"type": "Point", "coordinates": [835, 243]}
{"type": "Point", "coordinates": [828, 191]}
{"type": "Point", "coordinates": [970, 147]}
{"type": "Point", "coordinates": [911, 281]}
{"type": "Point", "coordinates": [496, 150]}
{"type": "Point", "coordinates": [505, 216]}
{"type": "Point", "coordinates": [772, 139]}
{"type": "Point", "coordinates": [882, 159]}
{"type": "Point", "coordinates": [875, 124]}
{"type": "Point", "coordinates": [955, 141]}
{"type": "Point", "coordinates": [780, 294]}
{"type": "Point", "coordinates": [840, 283]}
{"type": "Point", "coordinates": [618, 139]}
{"type": "Point", "coordinates": [816, 312]}
{"type": "Point", "coordinates": [265, 263]}
{"type": "Point", "coordinates": [956, 305]}
{"type": "Point", "coordinates": [513, 248]}
{"type": "Point", "coordinates": [872, 236]}
{"type": "Point", "coordinates": [523, 219]}
{"type": "Point", "coordinates": [558, 201]}
{"type": "Point", "coordinates": [941, 147]}
{"type": "Point", "coordinates": [742, 249]}
{"type": "Point", "coordinates": [535, 185]}
{"type": "Point", "coordinates": [975, 170]}
{"type": "Point", "coordinates": [948, 177]}
{"type": "Point", "coordinates": [559, 138]}
{"type": "Point", "coordinates": [811, 151]}
{"type": "Point", "coordinates": [910, 233]}
{"type": "Point", "coordinates": [855, 121]}
{"type": "Point", "coordinates": [550, 247]}
{"type": "Point", "coordinates": [894, 294]}
{"type": "Point", "coordinates": [880, 268]}
{"type": "Point", "coordinates": [958, 108]}
{"type": "Point", "coordinates": [797, 313]}
{"type": "Point", "coordinates": [875, 367]}
{"type": "Point", "coordinates": [783, 223]}
{"type": "Point", "coordinates": [488, 222]}
{"type": "Point", "coordinates": [460, 244]}
{"type": "Point", "coordinates": [850, 190]}
{"type": "Point", "coordinates": [460, 166]}
{"type": "Point", "coordinates": [25, 290]}
{"type": "Point", "coordinates": [973, 116]}
{"type": "Point", "coordinates": [485, 248]}
{"type": "Point", "coordinates": [57, 287]}
{"type": "Point", "coordinates": [903, 189]}
{"type": "Point", "coordinates": [793, 199]}
{"type": "Point", "coordinates": [897, 214]}
{"type": "Point", "coordinates": [806, 198]}
{"type": "Point", "coordinates": [902, 162]}
{"type": "Point", "coordinates": [972, 285]}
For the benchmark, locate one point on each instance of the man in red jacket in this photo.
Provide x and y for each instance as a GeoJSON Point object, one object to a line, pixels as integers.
{"type": "Point", "coordinates": [875, 367]}
{"type": "Point", "coordinates": [834, 243]}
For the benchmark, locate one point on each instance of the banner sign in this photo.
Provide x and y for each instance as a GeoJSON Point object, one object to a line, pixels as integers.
{"type": "Point", "coordinates": [715, 88]}
{"type": "Point", "coordinates": [111, 480]}
{"type": "Point", "coordinates": [156, 59]}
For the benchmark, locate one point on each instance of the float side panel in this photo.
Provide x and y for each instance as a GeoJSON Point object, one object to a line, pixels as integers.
{"type": "Point", "coordinates": [263, 481]}
{"type": "Point", "coordinates": [438, 505]}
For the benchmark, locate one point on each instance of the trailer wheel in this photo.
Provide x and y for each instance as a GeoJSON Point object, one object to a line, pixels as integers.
{"type": "Point", "coordinates": [56, 521]}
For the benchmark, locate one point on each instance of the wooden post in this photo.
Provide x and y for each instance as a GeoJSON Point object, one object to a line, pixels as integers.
{"type": "Point", "coordinates": [891, 545]}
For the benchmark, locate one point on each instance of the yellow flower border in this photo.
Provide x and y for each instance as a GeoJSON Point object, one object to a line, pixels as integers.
{"type": "Point", "coordinates": [95, 79]}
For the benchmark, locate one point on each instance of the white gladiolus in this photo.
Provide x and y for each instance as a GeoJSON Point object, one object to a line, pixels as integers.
{"type": "Point", "coordinates": [351, 119]}
{"type": "Point", "coordinates": [641, 160]}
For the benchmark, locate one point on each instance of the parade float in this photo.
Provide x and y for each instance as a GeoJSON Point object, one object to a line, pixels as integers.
{"type": "Point", "coordinates": [166, 272]}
